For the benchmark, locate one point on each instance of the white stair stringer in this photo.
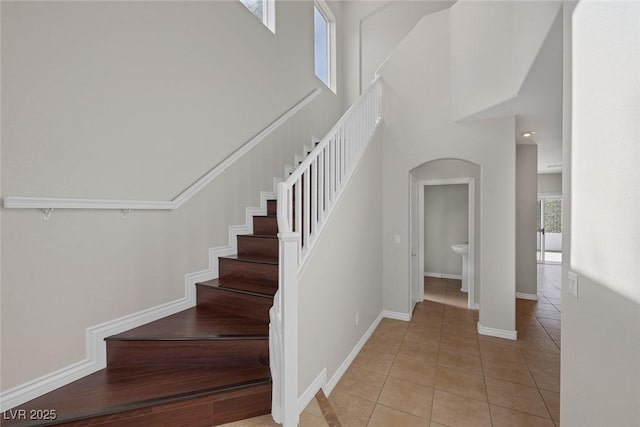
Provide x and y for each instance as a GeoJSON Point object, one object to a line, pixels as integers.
{"type": "Point", "coordinates": [288, 170]}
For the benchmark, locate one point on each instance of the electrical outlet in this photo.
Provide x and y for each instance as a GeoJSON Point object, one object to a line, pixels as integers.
{"type": "Point", "coordinates": [573, 284]}
{"type": "Point", "coordinates": [397, 238]}
{"type": "Point", "coordinates": [357, 318]}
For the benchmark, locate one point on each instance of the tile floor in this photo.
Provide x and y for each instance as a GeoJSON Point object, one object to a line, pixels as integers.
{"type": "Point", "coordinates": [437, 371]}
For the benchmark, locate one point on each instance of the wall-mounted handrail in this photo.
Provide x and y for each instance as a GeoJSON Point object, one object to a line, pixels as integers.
{"type": "Point", "coordinates": [305, 202]}
{"type": "Point", "coordinates": [49, 203]}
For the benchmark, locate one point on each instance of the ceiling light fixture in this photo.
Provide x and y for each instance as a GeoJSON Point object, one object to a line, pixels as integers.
{"type": "Point", "coordinates": [528, 133]}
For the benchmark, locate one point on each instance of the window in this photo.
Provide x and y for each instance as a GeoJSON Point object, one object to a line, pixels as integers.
{"type": "Point", "coordinates": [324, 44]}
{"type": "Point", "coordinates": [264, 10]}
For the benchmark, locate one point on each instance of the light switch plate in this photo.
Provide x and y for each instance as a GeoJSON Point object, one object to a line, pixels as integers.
{"type": "Point", "coordinates": [573, 284]}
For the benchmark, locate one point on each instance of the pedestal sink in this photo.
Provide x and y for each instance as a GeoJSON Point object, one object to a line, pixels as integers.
{"type": "Point", "coordinates": [462, 249]}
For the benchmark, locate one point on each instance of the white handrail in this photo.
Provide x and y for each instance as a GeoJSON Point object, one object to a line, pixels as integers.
{"type": "Point", "coordinates": [305, 202]}
{"type": "Point", "coordinates": [48, 203]}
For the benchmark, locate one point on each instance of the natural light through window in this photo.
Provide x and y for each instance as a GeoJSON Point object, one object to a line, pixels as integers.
{"type": "Point", "coordinates": [324, 41]}
{"type": "Point", "coordinates": [264, 10]}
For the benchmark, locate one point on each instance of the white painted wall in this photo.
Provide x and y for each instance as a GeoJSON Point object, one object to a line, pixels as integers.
{"type": "Point", "coordinates": [446, 211]}
{"type": "Point", "coordinates": [343, 277]}
{"type": "Point", "coordinates": [550, 183]}
{"type": "Point", "coordinates": [553, 241]}
{"type": "Point", "coordinates": [373, 30]}
{"type": "Point", "coordinates": [493, 44]}
{"type": "Point", "coordinates": [382, 30]}
{"type": "Point", "coordinates": [526, 219]}
{"type": "Point", "coordinates": [453, 168]}
{"type": "Point", "coordinates": [134, 100]}
{"type": "Point", "coordinates": [419, 128]}
{"type": "Point", "coordinates": [600, 340]}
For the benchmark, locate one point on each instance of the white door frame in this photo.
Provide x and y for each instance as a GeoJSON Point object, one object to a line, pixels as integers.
{"type": "Point", "coordinates": [541, 238]}
{"type": "Point", "coordinates": [471, 185]}
{"type": "Point", "coordinates": [416, 277]}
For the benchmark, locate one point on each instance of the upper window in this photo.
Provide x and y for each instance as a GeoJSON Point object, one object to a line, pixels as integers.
{"type": "Point", "coordinates": [324, 44]}
{"type": "Point", "coordinates": [264, 10]}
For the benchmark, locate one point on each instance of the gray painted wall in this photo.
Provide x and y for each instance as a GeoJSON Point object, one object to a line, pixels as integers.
{"type": "Point", "coordinates": [343, 277]}
{"type": "Point", "coordinates": [446, 221]}
{"type": "Point", "coordinates": [526, 204]}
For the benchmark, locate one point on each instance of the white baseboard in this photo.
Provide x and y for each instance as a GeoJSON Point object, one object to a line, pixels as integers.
{"type": "Point", "coordinates": [96, 348]}
{"type": "Point", "coordinates": [499, 333]}
{"type": "Point", "coordinates": [396, 315]}
{"type": "Point", "coordinates": [523, 295]}
{"type": "Point", "coordinates": [310, 392]}
{"type": "Point", "coordinates": [443, 275]}
{"type": "Point", "coordinates": [333, 381]}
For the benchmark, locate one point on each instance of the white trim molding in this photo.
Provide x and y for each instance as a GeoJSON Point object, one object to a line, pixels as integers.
{"type": "Point", "coordinates": [333, 381]}
{"type": "Point", "coordinates": [498, 333]}
{"type": "Point", "coordinates": [49, 203]}
{"type": "Point", "coordinates": [524, 295]}
{"type": "Point", "coordinates": [471, 218]}
{"type": "Point", "coordinates": [319, 383]}
{"type": "Point", "coordinates": [443, 275]}
{"type": "Point", "coordinates": [396, 315]}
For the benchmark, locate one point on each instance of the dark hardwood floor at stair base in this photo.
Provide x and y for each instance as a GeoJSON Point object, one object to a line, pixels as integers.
{"type": "Point", "coordinates": [125, 389]}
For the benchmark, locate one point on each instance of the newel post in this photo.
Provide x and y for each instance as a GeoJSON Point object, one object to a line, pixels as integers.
{"type": "Point", "coordinates": [289, 296]}
{"type": "Point", "coordinates": [283, 334]}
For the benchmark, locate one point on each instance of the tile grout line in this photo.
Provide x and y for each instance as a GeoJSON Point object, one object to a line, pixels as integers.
{"type": "Point", "coordinates": [433, 398]}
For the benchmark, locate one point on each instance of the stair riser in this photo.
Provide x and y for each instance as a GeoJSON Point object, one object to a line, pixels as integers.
{"type": "Point", "coordinates": [265, 225]}
{"type": "Point", "coordinates": [257, 246]}
{"type": "Point", "coordinates": [250, 271]}
{"type": "Point", "coordinates": [272, 207]}
{"type": "Point", "coordinates": [234, 303]}
{"type": "Point", "coordinates": [237, 408]}
{"type": "Point", "coordinates": [220, 353]}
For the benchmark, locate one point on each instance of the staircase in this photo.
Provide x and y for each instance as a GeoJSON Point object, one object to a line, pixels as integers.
{"type": "Point", "coordinates": [204, 366]}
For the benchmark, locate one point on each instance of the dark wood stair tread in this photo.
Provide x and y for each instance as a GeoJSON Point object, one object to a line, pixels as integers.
{"type": "Point", "coordinates": [114, 390]}
{"type": "Point", "coordinates": [249, 288]}
{"type": "Point", "coordinates": [252, 258]}
{"type": "Point", "coordinates": [260, 236]}
{"type": "Point", "coordinates": [195, 324]}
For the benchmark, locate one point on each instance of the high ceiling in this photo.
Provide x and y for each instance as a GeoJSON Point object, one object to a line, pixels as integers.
{"type": "Point", "coordinates": [538, 105]}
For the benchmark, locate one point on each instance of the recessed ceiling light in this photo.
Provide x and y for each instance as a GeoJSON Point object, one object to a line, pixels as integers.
{"type": "Point", "coordinates": [528, 133]}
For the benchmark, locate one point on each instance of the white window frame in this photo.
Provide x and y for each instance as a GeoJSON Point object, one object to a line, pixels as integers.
{"type": "Point", "coordinates": [330, 18]}
{"type": "Point", "coordinates": [268, 14]}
